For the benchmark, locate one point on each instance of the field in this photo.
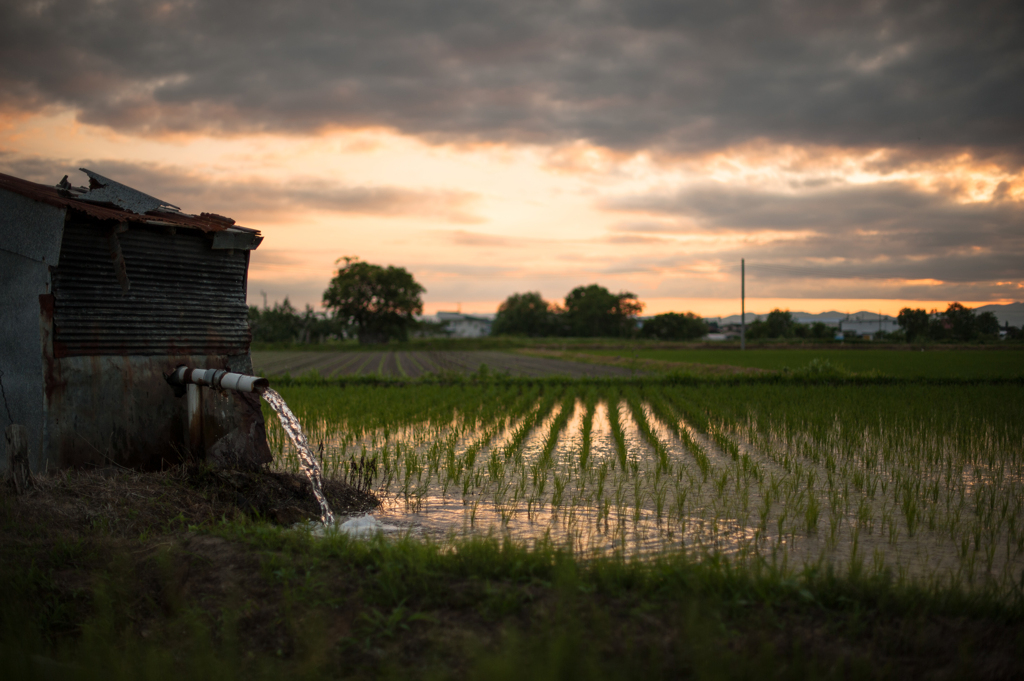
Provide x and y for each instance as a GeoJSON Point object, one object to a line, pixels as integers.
{"type": "Point", "coordinates": [416, 363]}
{"type": "Point", "coordinates": [555, 519]}
{"type": "Point", "coordinates": [579, 360]}
{"type": "Point", "coordinates": [903, 363]}
{"type": "Point", "coordinates": [917, 481]}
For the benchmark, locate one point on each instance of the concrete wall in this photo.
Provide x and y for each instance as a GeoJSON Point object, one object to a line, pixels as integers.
{"type": "Point", "coordinates": [30, 236]}
{"type": "Point", "coordinates": [120, 410]}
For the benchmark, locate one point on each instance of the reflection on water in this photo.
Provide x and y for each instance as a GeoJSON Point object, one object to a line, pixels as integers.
{"type": "Point", "coordinates": [618, 476]}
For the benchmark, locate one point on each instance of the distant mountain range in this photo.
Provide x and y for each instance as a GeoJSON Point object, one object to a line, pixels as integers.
{"type": "Point", "coordinates": [1012, 314]}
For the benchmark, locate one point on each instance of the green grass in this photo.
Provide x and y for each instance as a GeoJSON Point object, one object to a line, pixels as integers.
{"type": "Point", "coordinates": [248, 601]}
{"type": "Point", "coordinates": [931, 363]}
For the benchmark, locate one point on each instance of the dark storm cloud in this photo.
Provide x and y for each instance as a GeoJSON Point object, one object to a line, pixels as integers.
{"type": "Point", "coordinates": [248, 197]}
{"type": "Point", "coordinates": [679, 76]}
{"type": "Point", "coordinates": [875, 232]}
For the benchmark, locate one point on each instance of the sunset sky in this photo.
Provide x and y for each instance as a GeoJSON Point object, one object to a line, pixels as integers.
{"type": "Point", "coordinates": [859, 155]}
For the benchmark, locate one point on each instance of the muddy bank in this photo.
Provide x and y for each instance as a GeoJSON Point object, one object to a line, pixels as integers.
{"type": "Point", "coordinates": [128, 503]}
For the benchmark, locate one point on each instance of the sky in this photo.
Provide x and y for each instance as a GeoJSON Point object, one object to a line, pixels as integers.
{"type": "Point", "coordinates": [857, 155]}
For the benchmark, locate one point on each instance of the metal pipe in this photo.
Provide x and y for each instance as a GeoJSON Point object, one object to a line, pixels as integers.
{"type": "Point", "coordinates": [195, 418]}
{"type": "Point", "coordinates": [218, 379]}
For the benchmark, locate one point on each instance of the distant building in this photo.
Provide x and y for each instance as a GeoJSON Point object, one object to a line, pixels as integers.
{"type": "Point", "coordinates": [866, 326]}
{"type": "Point", "coordinates": [461, 325]}
{"type": "Point", "coordinates": [831, 323]}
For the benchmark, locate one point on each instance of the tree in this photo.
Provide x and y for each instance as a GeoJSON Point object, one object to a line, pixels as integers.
{"type": "Point", "coordinates": [277, 324]}
{"type": "Point", "coordinates": [914, 323]}
{"type": "Point", "coordinates": [780, 324]}
{"type": "Point", "coordinates": [379, 301]}
{"type": "Point", "coordinates": [961, 322]}
{"type": "Point", "coordinates": [674, 326]}
{"type": "Point", "coordinates": [282, 323]}
{"type": "Point", "coordinates": [817, 331]}
{"type": "Point", "coordinates": [987, 325]}
{"type": "Point", "coordinates": [594, 311]}
{"type": "Point", "coordinates": [525, 314]}
{"type": "Point", "coordinates": [757, 330]}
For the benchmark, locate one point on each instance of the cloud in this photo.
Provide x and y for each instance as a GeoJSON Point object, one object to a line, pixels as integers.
{"type": "Point", "coordinates": [678, 76]}
{"type": "Point", "coordinates": [249, 196]}
{"type": "Point", "coordinates": [463, 238]}
{"type": "Point", "coordinates": [878, 236]}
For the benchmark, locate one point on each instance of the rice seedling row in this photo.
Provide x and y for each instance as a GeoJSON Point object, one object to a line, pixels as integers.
{"type": "Point", "coordinates": [918, 481]}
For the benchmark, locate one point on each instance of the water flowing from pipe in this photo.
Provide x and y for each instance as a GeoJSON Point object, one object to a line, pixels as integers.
{"type": "Point", "coordinates": [306, 459]}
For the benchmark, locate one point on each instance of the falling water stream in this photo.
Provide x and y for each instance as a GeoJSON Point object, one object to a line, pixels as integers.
{"type": "Point", "coordinates": [306, 460]}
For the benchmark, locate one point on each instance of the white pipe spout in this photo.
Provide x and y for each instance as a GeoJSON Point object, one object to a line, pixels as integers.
{"type": "Point", "coordinates": [218, 379]}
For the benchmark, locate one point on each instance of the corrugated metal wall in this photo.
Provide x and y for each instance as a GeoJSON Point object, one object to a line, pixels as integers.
{"type": "Point", "coordinates": [184, 297]}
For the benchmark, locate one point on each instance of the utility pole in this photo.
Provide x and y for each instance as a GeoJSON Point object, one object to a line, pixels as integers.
{"type": "Point", "coordinates": [743, 304]}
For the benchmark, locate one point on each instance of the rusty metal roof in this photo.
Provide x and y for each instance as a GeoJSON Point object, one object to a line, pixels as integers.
{"type": "Point", "coordinates": [73, 199]}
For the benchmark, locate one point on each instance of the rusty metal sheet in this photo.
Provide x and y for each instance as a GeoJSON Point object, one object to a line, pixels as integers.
{"type": "Point", "coordinates": [184, 297]}
{"type": "Point", "coordinates": [54, 196]}
{"type": "Point", "coordinates": [104, 190]}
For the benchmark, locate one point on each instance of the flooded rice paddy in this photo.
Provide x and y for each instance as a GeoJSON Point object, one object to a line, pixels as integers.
{"type": "Point", "coordinates": [920, 481]}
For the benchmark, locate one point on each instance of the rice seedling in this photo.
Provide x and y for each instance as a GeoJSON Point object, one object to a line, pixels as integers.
{"type": "Point", "coordinates": [920, 478]}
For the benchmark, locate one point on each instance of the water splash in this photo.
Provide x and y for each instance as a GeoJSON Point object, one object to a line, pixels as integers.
{"type": "Point", "coordinates": [306, 459]}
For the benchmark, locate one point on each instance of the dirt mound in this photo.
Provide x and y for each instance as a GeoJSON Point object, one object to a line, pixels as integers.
{"type": "Point", "coordinates": [129, 503]}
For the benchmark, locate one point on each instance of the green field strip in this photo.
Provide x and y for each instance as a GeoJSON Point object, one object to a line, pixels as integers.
{"type": "Point", "coordinates": [425, 360]}
{"type": "Point", "coordinates": [330, 363]}
{"type": "Point", "coordinates": [515, 365]}
{"type": "Point", "coordinates": [417, 367]}
{"type": "Point", "coordinates": [908, 363]}
{"type": "Point", "coordinates": [528, 365]}
{"type": "Point", "coordinates": [363, 368]}
{"type": "Point", "coordinates": [584, 369]}
{"type": "Point", "coordinates": [398, 364]}
{"type": "Point", "coordinates": [296, 364]}
{"type": "Point", "coordinates": [272, 363]}
{"type": "Point", "coordinates": [442, 362]}
{"type": "Point", "coordinates": [347, 361]}
{"type": "Point", "coordinates": [386, 361]}
{"type": "Point", "coordinates": [464, 362]}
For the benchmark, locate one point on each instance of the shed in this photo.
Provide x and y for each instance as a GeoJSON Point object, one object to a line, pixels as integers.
{"type": "Point", "coordinates": [104, 290]}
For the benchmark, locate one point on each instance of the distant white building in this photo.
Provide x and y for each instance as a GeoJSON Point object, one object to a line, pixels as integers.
{"type": "Point", "coordinates": [866, 326]}
{"type": "Point", "coordinates": [810, 321]}
{"type": "Point", "coordinates": [465, 326]}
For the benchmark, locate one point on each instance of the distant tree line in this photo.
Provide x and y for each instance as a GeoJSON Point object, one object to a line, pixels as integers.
{"type": "Point", "coordinates": [589, 312]}
{"type": "Point", "coordinates": [780, 324]}
{"type": "Point", "coordinates": [957, 323]}
{"type": "Point", "coordinates": [376, 304]}
{"type": "Point", "coordinates": [372, 303]}
{"type": "Point", "coordinates": [282, 323]}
